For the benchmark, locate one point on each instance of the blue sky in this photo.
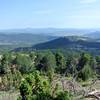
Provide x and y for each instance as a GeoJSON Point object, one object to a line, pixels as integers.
{"type": "Point", "coordinates": [49, 13]}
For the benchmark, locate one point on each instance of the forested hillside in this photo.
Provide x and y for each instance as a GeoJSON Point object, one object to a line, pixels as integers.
{"type": "Point", "coordinates": [49, 49]}
{"type": "Point", "coordinates": [68, 42]}
{"type": "Point", "coordinates": [48, 75]}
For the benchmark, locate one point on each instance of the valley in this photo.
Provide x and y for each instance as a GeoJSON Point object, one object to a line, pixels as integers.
{"type": "Point", "coordinates": [68, 64]}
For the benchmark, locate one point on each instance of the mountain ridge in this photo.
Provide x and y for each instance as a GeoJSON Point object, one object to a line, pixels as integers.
{"type": "Point", "coordinates": [50, 31]}
{"type": "Point", "coordinates": [66, 42]}
{"type": "Point", "coordinates": [69, 42]}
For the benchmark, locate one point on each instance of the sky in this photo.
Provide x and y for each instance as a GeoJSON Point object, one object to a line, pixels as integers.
{"type": "Point", "coordinates": [49, 13]}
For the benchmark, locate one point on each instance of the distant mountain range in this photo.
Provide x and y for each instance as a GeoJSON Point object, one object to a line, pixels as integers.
{"type": "Point", "coordinates": [50, 38]}
{"type": "Point", "coordinates": [50, 31]}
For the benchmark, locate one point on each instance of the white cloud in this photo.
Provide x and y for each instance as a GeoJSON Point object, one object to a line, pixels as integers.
{"type": "Point", "coordinates": [88, 1]}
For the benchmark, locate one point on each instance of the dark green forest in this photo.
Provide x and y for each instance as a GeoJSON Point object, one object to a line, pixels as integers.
{"type": "Point", "coordinates": [40, 75]}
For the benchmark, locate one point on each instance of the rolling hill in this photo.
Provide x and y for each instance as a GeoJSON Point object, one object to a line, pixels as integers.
{"type": "Point", "coordinates": [12, 41]}
{"type": "Point", "coordinates": [24, 38]}
{"type": "Point", "coordinates": [69, 42]}
{"type": "Point", "coordinates": [94, 35]}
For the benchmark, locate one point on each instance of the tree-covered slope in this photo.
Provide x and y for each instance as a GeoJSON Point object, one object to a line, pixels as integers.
{"type": "Point", "coordinates": [69, 42]}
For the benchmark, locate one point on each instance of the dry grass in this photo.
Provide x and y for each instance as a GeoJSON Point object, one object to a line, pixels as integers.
{"type": "Point", "coordinates": [8, 95]}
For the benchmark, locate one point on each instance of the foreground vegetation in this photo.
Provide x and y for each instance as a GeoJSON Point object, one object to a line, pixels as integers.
{"type": "Point", "coordinates": [47, 75]}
